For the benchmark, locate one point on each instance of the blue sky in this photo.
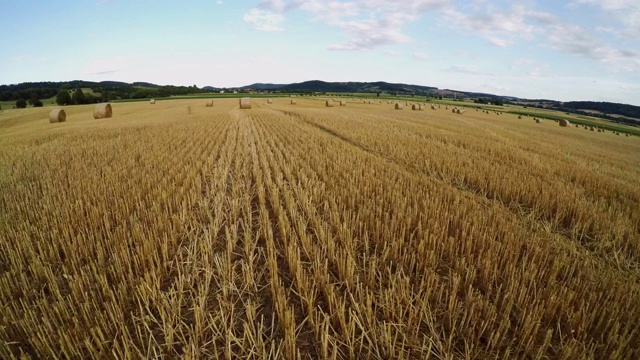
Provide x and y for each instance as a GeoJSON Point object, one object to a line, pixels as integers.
{"type": "Point", "coordinates": [562, 50]}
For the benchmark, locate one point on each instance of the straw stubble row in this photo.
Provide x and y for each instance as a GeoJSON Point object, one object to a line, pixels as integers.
{"type": "Point", "coordinates": [286, 235]}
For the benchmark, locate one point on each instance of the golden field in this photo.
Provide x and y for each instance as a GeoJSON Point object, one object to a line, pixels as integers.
{"type": "Point", "coordinates": [302, 232]}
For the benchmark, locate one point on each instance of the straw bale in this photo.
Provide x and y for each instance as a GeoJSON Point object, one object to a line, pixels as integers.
{"type": "Point", "coordinates": [245, 103]}
{"type": "Point", "coordinates": [102, 111]}
{"type": "Point", "coordinates": [57, 115]}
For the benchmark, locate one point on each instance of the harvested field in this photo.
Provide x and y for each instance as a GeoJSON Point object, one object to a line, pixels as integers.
{"type": "Point", "coordinates": [306, 232]}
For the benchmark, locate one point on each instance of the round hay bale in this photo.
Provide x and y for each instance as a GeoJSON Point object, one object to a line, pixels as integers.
{"type": "Point", "coordinates": [420, 107]}
{"type": "Point", "coordinates": [293, 102]}
{"type": "Point", "coordinates": [329, 103]}
{"type": "Point", "coordinates": [433, 107]}
{"type": "Point", "coordinates": [209, 103]}
{"type": "Point", "coordinates": [458, 111]}
{"type": "Point", "coordinates": [245, 103]}
{"type": "Point", "coordinates": [398, 106]}
{"type": "Point", "coordinates": [538, 121]}
{"type": "Point", "coordinates": [564, 123]}
{"type": "Point", "coordinates": [519, 116]}
{"type": "Point", "coordinates": [102, 111]}
{"type": "Point", "coordinates": [152, 101]}
{"type": "Point", "coordinates": [415, 107]}
{"type": "Point", "coordinates": [343, 103]}
{"type": "Point", "coordinates": [269, 101]}
{"type": "Point", "coordinates": [57, 115]}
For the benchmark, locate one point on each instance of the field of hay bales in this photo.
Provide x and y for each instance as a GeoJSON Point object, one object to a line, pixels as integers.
{"type": "Point", "coordinates": [305, 231]}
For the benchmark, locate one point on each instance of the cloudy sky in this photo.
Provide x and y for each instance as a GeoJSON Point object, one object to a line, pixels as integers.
{"type": "Point", "coordinates": [562, 50]}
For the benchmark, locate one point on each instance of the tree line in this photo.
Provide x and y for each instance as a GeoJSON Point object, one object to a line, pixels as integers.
{"type": "Point", "coordinates": [620, 113]}
{"type": "Point", "coordinates": [70, 93]}
{"type": "Point", "coordinates": [604, 107]}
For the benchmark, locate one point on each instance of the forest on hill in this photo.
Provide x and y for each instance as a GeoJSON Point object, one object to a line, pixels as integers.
{"type": "Point", "coordinates": [100, 91]}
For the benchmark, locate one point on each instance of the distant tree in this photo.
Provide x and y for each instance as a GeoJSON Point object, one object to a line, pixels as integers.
{"type": "Point", "coordinates": [91, 99]}
{"type": "Point", "coordinates": [37, 103]}
{"type": "Point", "coordinates": [78, 97]}
{"type": "Point", "coordinates": [21, 104]}
{"type": "Point", "coordinates": [107, 95]}
{"type": "Point", "coordinates": [63, 97]}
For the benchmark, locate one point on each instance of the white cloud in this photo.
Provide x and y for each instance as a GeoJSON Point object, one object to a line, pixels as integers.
{"type": "Point", "coordinates": [504, 28]}
{"type": "Point", "coordinates": [371, 24]}
{"type": "Point", "coordinates": [491, 23]}
{"type": "Point", "coordinates": [369, 34]}
{"type": "Point", "coordinates": [391, 53]}
{"type": "Point", "coordinates": [626, 12]}
{"type": "Point", "coordinates": [264, 20]}
{"type": "Point", "coordinates": [421, 56]}
{"type": "Point", "coordinates": [500, 42]}
{"type": "Point", "coordinates": [611, 4]}
{"type": "Point", "coordinates": [576, 40]}
{"type": "Point", "coordinates": [367, 24]}
{"type": "Point", "coordinates": [279, 6]}
{"type": "Point", "coordinates": [464, 69]}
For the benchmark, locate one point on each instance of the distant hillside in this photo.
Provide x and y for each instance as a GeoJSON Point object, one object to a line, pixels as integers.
{"type": "Point", "coordinates": [261, 86]}
{"type": "Point", "coordinates": [146, 84]}
{"type": "Point", "coordinates": [621, 113]}
{"type": "Point", "coordinates": [100, 91]}
{"type": "Point", "coordinates": [605, 108]}
{"type": "Point", "coordinates": [356, 87]}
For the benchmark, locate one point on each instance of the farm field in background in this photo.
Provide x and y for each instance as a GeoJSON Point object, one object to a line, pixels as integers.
{"type": "Point", "coordinates": [302, 231]}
